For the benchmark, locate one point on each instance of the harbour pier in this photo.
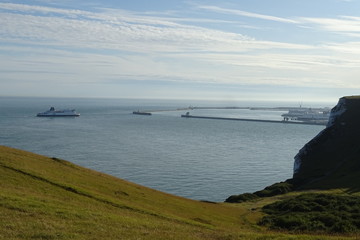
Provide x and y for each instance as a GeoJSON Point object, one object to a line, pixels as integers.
{"type": "Point", "coordinates": [187, 115]}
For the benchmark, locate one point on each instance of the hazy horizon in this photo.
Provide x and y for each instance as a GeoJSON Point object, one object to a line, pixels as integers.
{"type": "Point", "coordinates": [168, 102]}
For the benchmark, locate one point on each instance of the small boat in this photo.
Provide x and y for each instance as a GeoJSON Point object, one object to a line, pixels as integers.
{"type": "Point", "coordinates": [187, 115]}
{"type": "Point", "coordinates": [58, 113]}
{"type": "Point", "coordinates": [141, 113]}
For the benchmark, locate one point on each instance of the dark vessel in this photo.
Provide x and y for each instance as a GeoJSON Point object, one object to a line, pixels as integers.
{"type": "Point", "coordinates": [141, 113]}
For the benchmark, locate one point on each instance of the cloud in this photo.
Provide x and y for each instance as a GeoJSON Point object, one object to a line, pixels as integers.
{"type": "Point", "coordinates": [33, 9]}
{"type": "Point", "coordinates": [347, 25]}
{"type": "Point", "coordinates": [123, 31]}
{"type": "Point", "coordinates": [247, 14]}
{"type": "Point", "coordinates": [67, 46]}
{"type": "Point", "coordinates": [346, 49]}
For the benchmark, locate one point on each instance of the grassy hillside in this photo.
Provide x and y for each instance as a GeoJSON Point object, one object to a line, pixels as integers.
{"type": "Point", "coordinates": [49, 198]}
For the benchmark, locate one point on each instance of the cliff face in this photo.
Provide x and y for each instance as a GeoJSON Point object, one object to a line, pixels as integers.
{"type": "Point", "coordinates": [332, 158]}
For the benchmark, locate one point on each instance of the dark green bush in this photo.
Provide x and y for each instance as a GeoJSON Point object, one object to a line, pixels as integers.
{"type": "Point", "coordinates": [314, 213]}
{"type": "Point", "coordinates": [344, 227]}
{"type": "Point", "coordinates": [275, 189]}
{"type": "Point", "coordinates": [241, 198]}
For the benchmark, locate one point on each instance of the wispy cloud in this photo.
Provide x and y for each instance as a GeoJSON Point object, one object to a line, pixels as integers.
{"type": "Point", "coordinates": [110, 46]}
{"type": "Point", "coordinates": [119, 31]}
{"type": "Point", "coordinates": [348, 25]}
{"type": "Point", "coordinates": [247, 14]}
{"type": "Point", "coordinates": [33, 9]}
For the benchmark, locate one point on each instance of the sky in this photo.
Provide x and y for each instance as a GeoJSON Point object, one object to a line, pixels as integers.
{"type": "Point", "coordinates": [269, 50]}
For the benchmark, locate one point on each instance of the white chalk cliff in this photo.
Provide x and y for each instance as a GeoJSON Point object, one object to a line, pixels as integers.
{"type": "Point", "coordinates": [334, 148]}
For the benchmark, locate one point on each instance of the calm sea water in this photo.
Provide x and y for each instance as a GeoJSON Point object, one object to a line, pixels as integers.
{"type": "Point", "coordinates": [194, 158]}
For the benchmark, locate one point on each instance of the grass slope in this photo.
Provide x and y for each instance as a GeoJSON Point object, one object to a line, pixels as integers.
{"type": "Point", "coordinates": [49, 198]}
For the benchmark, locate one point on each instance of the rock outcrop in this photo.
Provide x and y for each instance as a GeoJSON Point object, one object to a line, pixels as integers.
{"type": "Point", "coordinates": [332, 158]}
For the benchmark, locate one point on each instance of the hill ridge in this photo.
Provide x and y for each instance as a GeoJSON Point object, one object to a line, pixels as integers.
{"type": "Point", "coordinates": [83, 193]}
{"type": "Point", "coordinates": [50, 198]}
{"type": "Point", "coordinates": [35, 187]}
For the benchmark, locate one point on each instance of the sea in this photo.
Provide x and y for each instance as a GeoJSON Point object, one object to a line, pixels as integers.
{"type": "Point", "coordinates": [200, 159]}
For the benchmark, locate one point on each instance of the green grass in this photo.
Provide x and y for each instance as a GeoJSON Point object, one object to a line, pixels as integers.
{"type": "Point", "coordinates": [327, 213]}
{"type": "Point", "coordinates": [49, 198]}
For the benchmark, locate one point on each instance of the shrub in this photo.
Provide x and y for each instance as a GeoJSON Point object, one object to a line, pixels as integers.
{"type": "Point", "coordinates": [314, 213]}
{"type": "Point", "coordinates": [241, 198]}
{"type": "Point", "coordinates": [344, 227]}
{"type": "Point", "coordinates": [275, 189]}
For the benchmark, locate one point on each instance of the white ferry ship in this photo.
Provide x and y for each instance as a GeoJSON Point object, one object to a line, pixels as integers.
{"type": "Point", "coordinates": [58, 113]}
{"type": "Point", "coordinates": [307, 115]}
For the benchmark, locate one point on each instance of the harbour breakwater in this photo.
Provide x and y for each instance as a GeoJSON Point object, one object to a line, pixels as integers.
{"type": "Point", "coordinates": [253, 120]}
{"type": "Point", "coordinates": [295, 115]}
